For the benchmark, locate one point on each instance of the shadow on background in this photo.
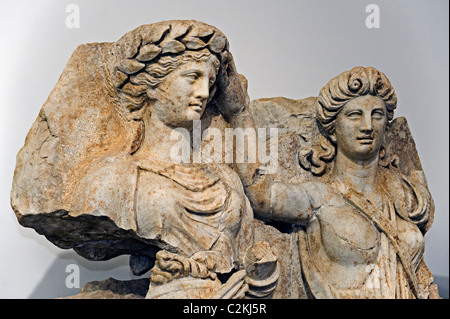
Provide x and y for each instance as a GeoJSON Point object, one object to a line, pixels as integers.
{"type": "Point", "coordinates": [53, 283]}
{"type": "Point", "coordinates": [442, 283]}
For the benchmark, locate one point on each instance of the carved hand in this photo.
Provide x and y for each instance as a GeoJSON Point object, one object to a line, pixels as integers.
{"type": "Point", "coordinates": [205, 258]}
{"type": "Point", "coordinates": [231, 96]}
{"type": "Point", "coordinates": [169, 266]}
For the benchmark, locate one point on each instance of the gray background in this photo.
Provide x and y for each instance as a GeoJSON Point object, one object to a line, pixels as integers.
{"type": "Point", "coordinates": [284, 48]}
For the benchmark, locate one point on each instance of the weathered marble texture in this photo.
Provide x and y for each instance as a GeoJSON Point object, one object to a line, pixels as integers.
{"type": "Point", "coordinates": [94, 174]}
{"type": "Point", "coordinates": [332, 222]}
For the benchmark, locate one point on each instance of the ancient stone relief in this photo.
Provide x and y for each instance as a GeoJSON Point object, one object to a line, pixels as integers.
{"type": "Point", "coordinates": [363, 207]}
{"type": "Point", "coordinates": [130, 155]}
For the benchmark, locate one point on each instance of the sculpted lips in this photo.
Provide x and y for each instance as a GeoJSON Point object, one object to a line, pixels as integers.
{"type": "Point", "coordinates": [197, 106]}
{"type": "Point", "coordinates": [366, 139]}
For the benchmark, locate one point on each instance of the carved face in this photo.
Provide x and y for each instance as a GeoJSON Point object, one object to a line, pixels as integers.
{"type": "Point", "coordinates": [182, 96]}
{"type": "Point", "coordinates": [360, 127]}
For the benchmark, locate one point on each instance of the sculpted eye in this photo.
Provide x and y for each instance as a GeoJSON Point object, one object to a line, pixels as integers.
{"type": "Point", "coordinates": [354, 114]}
{"type": "Point", "coordinates": [192, 76]}
{"type": "Point", "coordinates": [378, 114]}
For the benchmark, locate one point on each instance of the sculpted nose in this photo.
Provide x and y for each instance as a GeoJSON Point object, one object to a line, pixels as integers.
{"type": "Point", "coordinates": [366, 125]}
{"type": "Point", "coordinates": [202, 90]}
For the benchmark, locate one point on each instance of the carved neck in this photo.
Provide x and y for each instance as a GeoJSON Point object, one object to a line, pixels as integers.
{"type": "Point", "coordinates": [157, 143]}
{"type": "Point", "coordinates": [362, 176]}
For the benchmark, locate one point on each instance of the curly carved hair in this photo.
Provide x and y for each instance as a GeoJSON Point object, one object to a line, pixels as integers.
{"type": "Point", "coordinates": [144, 56]}
{"type": "Point", "coordinates": [359, 81]}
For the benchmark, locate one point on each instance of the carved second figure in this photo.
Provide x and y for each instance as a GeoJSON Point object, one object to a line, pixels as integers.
{"type": "Point", "coordinates": [363, 223]}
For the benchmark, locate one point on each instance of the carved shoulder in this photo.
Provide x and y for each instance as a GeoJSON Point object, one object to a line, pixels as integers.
{"type": "Point", "coordinates": [107, 189]}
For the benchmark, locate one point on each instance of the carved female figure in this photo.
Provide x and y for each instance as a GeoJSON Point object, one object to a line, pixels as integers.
{"type": "Point", "coordinates": [362, 226]}
{"type": "Point", "coordinates": [197, 214]}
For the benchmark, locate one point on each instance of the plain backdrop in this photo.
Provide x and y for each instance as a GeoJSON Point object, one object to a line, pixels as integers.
{"type": "Point", "coordinates": [284, 48]}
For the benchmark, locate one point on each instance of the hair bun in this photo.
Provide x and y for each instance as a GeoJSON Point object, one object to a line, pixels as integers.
{"type": "Point", "coordinates": [355, 85]}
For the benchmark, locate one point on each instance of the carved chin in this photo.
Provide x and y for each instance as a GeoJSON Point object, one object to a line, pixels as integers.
{"type": "Point", "coordinates": [367, 149]}
{"type": "Point", "coordinates": [194, 113]}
